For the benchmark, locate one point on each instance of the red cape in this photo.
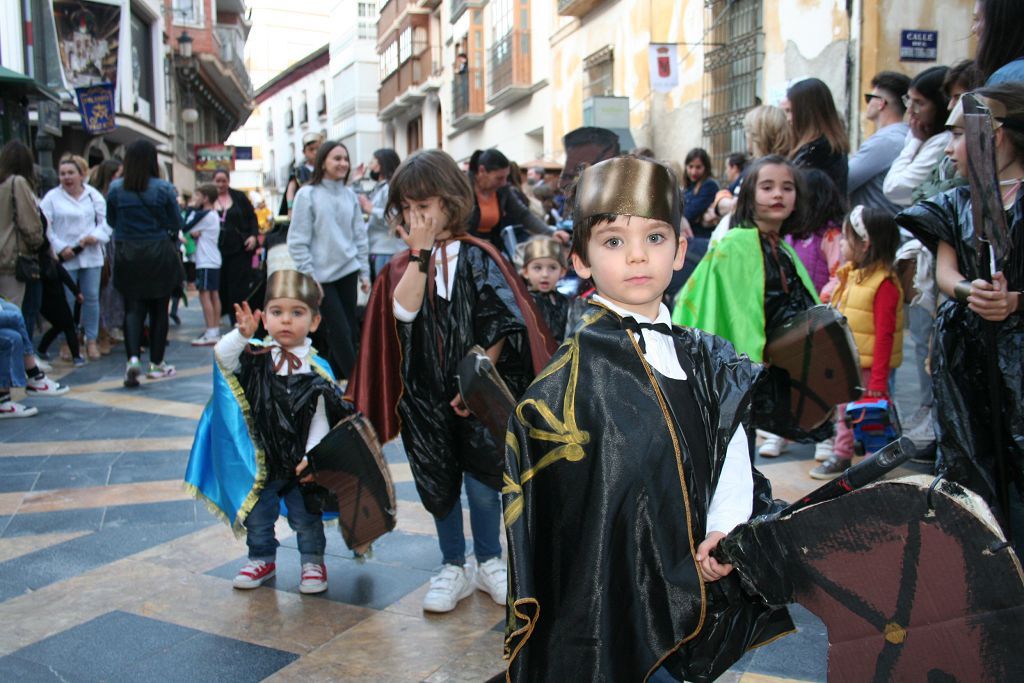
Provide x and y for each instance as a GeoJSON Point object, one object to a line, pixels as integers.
{"type": "Point", "coordinates": [376, 385]}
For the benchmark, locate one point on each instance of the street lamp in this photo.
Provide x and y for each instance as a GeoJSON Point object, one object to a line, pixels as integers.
{"type": "Point", "coordinates": [185, 45]}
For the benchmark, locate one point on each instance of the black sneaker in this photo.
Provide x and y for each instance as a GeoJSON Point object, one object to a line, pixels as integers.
{"type": "Point", "coordinates": [830, 469]}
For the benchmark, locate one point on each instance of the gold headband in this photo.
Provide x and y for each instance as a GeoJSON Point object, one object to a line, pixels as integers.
{"type": "Point", "coordinates": [291, 284]}
{"type": "Point", "coordinates": [543, 247]}
{"type": "Point", "coordinates": [626, 186]}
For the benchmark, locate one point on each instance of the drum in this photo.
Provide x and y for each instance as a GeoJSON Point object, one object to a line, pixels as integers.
{"type": "Point", "coordinates": [817, 350]}
{"type": "Point", "coordinates": [350, 464]}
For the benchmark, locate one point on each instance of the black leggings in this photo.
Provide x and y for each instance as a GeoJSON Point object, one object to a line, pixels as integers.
{"type": "Point", "coordinates": [135, 312]}
{"type": "Point", "coordinates": [338, 327]}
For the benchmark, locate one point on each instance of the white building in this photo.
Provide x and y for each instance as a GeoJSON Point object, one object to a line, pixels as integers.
{"type": "Point", "coordinates": [354, 79]}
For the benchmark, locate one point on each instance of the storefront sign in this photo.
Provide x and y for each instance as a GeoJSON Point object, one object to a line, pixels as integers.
{"type": "Point", "coordinates": [96, 105]}
{"type": "Point", "coordinates": [210, 158]}
{"type": "Point", "coordinates": [919, 46]}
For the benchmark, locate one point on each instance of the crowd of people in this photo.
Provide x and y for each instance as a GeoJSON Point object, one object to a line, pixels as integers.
{"type": "Point", "coordinates": [606, 256]}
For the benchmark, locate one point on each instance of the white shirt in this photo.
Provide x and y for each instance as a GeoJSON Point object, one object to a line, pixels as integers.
{"type": "Point", "coordinates": [230, 348]}
{"type": "Point", "coordinates": [913, 166]}
{"type": "Point", "coordinates": [207, 231]}
{"type": "Point", "coordinates": [441, 286]}
{"type": "Point", "coordinates": [72, 219]}
{"type": "Point", "coordinates": [732, 502]}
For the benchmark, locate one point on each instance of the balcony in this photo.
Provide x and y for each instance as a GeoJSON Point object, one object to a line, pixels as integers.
{"type": "Point", "coordinates": [467, 99]}
{"type": "Point", "coordinates": [459, 8]}
{"type": "Point", "coordinates": [401, 88]}
{"type": "Point", "coordinates": [231, 40]}
{"type": "Point", "coordinates": [389, 14]}
{"type": "Point", "coordinates": [509, 69]}
{"type": "Point", "coordinates": [576, 8]}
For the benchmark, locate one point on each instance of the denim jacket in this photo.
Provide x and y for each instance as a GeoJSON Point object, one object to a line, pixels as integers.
{"type": "Point", "coordinates": [143, 216]}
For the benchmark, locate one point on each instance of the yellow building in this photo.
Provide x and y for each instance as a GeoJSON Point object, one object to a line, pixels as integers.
{"type": "Point", "coordinates": [559, 59]}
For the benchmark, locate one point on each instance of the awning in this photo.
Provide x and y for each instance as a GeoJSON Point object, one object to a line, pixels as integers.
{"type": "Point", "coordinates": [25, 84]}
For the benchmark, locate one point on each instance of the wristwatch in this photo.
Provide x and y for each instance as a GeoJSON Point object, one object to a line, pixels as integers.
{"type": "Point", "coordinates": [421, 258]}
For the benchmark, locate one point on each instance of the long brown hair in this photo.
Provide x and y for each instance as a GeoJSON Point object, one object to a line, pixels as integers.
{"type": "Point", "coordinates": [321, 157]}
{"type": "Point", "coordinates": [815, 115]}
{"type": "Point", "coordinates": [431, 173]}
{"type": "Point", "coordinates": [16, 159]}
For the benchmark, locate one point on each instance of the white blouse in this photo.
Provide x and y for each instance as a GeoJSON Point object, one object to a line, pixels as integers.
{"type": "Point", "coordinates": [72, 219]}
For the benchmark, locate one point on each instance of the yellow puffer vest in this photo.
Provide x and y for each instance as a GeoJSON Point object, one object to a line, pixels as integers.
{"type": "Point", "coordinates": [855, 298]}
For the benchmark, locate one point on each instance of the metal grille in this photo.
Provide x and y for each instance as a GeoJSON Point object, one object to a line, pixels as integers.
{"type": "Point", "coordinates": [732, 73]}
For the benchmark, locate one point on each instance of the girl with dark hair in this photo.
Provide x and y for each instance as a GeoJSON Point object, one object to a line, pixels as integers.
{"type": "Point", "coordinates": [751, 281]}
{"type": "Point", "coordinates": [820, 139]}
{"type": "Point", "coordinates": [497, 206]}
{"type": "Point", "coordinates": [699, 190]}
{"type": "Point", "coordinates": [817, 241]}
{"type": "Point", "coordinates": [925, 142]}
{"type": "Point", "coordinates": [238, 231]}
{"type": "Point", "coordinates": [21, 230]}
{"type": "Point", "coordinates": [964, 399]}
{"type": "Point", "coordinates": [999, 25]}
{"type": "Point", "coordinates": [142, 208]}
{"type": "Point", "coordinates": [327, 239]}
{"type": "Point", "coordinates": [383, 242]}
{"type": "Point", "coordinates": [870, 296]}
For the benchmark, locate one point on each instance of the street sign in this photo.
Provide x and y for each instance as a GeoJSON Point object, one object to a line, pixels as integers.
{"type": "Point", "coordinates": [919, 46]}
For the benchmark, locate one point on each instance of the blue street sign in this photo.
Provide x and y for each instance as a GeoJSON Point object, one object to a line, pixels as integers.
{"type": "Point", "coordinates": [919, 46]}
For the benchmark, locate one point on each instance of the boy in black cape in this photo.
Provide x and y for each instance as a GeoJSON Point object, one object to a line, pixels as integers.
{"type": "Point", "coordinates": [627, 462]}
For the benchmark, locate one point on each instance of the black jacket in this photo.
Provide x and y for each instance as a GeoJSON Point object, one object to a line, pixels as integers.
{"type": "Point", "coordinates": [511, 211]}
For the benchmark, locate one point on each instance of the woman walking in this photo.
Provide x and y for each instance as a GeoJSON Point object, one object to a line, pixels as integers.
{"type": "Point", "coordinates": [21, 231]}
{"type": "Point", "coordinates": [111, 302]}
{"type": "Point", "coordinates": [143, 210]}
{"type": "Point", "coordinates": [384, 243]}
{"type": "Point", "coordinates": [327, 239]}
{"type": "Point", "coordinates": [77, 217]}
{"type": "Point", "coordinates": [238, 231]}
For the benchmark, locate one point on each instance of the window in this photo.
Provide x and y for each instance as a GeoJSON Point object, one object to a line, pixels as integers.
{"type": "Point", "coordinates": [270, 126]}
{"type": "Point", "coordinates": [187, 12]}
{"type": "Point", "coordinates": [732, 72]}
{"type": "Point", "coordinates": [304, 109]}
{"type": "Point", "coordinates": [321, 101]}
{"type": "Point", "coordinates": [367, 21]}
{"type": "Point", "coordinates": [405, 45]}
{"type": "Point", "coordinates": [142, 69]}
{"type": "Point", "coordinates": [501, 19]}
{"type": "Point", "coordinates": [597, 74]}
{"type": "Point", "coordinates": [289, 116]}
{"type": "Point", "coordinates": [389, 60]}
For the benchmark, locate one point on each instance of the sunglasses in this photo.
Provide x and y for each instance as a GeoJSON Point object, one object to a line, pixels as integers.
{"type": "Point", "coordinates": [868, 96]}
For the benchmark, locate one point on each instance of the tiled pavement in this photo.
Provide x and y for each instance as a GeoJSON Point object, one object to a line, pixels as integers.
{"type": "Point", "coordinates": [110, 571]}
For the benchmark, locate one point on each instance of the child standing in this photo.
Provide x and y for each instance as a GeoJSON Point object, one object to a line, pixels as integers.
{"type": "Point", "coordinates": [543, 267]}
{"type": "Point", "coordinates": [430, 305]}
{"type": "Point", "coordinates": [204, 225]}
{"type": "Point", "coordinates": [751, 281]}
{"type": "Point", "coordinates": [289, 399]}
{"type": "Point", "coordinates": [870, 296]}
{"type": "Point", "coordinates": [626, 464]}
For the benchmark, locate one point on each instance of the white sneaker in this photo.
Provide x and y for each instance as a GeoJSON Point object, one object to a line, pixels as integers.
{"type": "Point", "coordinates": [206, 340]}
{"type": "Point", "coordinates": [447, 588]}
{"type": "Point", "coordinates": [773, 447]}
{"type": "Point", "coordinates": [823, 450]}
{"type": "Point", "coordinates": [12, 409]}
{"type": "Point", "coordinates": [492, 578]}
{"type": "Point", "coordinates": [44, 387]}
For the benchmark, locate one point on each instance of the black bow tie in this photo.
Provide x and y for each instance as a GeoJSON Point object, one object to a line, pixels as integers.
{"type": "Point", "coordinates": [635, 326]}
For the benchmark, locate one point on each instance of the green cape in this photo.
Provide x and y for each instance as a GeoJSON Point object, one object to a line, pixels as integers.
{"type": "Point", "coordinates": [725, 294]}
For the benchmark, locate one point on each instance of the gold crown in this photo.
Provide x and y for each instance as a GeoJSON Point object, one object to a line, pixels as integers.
{"type": "Point", "coordinates": [543, 247]}
{"type": "Point", "coordinates": [627, 186]}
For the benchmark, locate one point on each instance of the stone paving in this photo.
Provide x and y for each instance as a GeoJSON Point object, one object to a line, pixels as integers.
{"type": "Point", "coordinates": [110, 571]}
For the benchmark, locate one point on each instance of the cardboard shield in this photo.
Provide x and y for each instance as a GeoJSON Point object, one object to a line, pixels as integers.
{"type": "Point", "coordinates": [817, 350]}
{"type": "Point", "coordinates": [349, 463]}
{"type": "Point", "coordinates": [912, 586]}
{"type": "Point", "coordinates": [485, 393]}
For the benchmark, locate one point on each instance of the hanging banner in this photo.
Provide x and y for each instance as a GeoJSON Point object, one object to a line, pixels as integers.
{"type": "Point", "coordinates": [663, 59]}
{"type": "Point", "coordinates": [88, 34]}
{"type": "Point", "coordinates": [210, 158]}
{"type": "Point", "coordinates": [96, 105]}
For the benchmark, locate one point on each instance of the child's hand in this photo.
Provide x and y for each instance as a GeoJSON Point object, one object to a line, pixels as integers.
{"type": "Point", "coordinates": [710, 569]}
{"type": "Point", "coordinates": [300, 468]}
{"type": "Point", "coordinates": [80, 298]}
{"type": "Point", "coordinates": [364, 284]}
{"type": "Point", "coordinates": [459, 407]}
{"type": "Point", "coordinates": [421, 232]}
{"type": "Point", "coordinates": [991, 300]}
{"type": "Point", "coordinates": [247, 320]}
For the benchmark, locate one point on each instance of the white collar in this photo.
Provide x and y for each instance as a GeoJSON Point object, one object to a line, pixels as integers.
{"type": "Point", "coordinates": [664, 316]}
{"type": "Point", "coordinates": [299, 351]}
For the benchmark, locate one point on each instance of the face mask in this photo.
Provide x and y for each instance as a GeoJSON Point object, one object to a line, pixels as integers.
{"type": "Point", "coordinates": [374, 175]}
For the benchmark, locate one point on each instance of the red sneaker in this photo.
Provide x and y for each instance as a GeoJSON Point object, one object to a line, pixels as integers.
{"type": "Point", "coordinates": [254, 574]}
{"type": "Point", "coordinates": [314, 578]}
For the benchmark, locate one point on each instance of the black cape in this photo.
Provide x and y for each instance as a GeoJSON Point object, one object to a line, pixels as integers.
{"type": "Point", "coordinates": [958, 365]}
{"type": "Point", "coordinates": [554, 308]}
{"type": "Point", "coordinates": [440, 444]}
{"type": "Point", "coordinates": [607, 486]}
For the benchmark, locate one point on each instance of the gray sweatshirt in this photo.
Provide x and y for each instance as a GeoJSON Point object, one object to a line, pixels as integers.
{"type": "Point", "coordinates": [327, 237]}
{"type": "Point", "coordinates": [871, 163]}
{"type": "Point", "coordinates": [382, 238]}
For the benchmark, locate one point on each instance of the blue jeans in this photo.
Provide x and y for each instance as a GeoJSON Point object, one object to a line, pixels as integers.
{"type": "Point", "coordinates": [484, 519]}
{"type": "Point", "coordinates": [31, 305]}
{"type": "Point", "coordinates": [921, 322]}
{"type": "Point", "coordinates": [88, 280]}
{"type": "Point", "coordinates": [259, 525]}
{"type": "Point", "coordinates": [14, 345]}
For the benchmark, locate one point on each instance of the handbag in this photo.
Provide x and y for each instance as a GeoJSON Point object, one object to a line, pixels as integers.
{"type": "Point", "coordinates": [26, 268]}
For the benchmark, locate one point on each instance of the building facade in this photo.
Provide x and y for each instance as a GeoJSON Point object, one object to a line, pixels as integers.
{"type": "Point", "coordinates": [354, 78]}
